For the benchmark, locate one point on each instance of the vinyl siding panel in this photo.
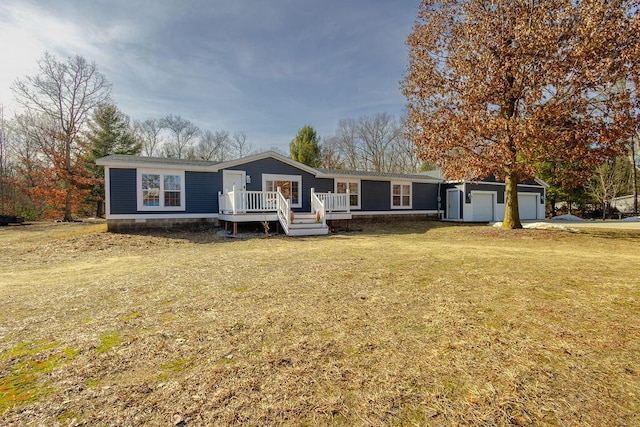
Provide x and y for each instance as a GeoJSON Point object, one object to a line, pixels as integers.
{"type": "Point", "coordinates": [122, 187]}
{"type": "Point", "coordinates": [202, 191]}
{"type": "Point", "coordinates": [424, 196]}
{"type": "Point", "coordinates": [376, 195]}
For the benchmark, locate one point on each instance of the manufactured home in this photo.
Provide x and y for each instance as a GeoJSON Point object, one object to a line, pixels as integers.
{"type": "Point", "coordinates": [149, 192]}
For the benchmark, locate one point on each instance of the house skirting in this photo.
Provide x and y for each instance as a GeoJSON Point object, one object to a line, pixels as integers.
{"type": "Point", "coordinates": [131, 224]}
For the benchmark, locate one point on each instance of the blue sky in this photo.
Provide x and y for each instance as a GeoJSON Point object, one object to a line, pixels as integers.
{"type": "Point", "coordinates": [266, 68]}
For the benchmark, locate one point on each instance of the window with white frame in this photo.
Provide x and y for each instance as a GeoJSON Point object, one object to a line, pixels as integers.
{"type": "Point", "coordinates": [290, 186]}
{"type": "Point", "coordinates": [160, 190]}
{"type": "Point", "coordinates": [401, 195]}
{"type": "Point", "coordinates": [353, 185]}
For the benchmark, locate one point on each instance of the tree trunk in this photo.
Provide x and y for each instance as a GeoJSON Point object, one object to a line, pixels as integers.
{"type": "Point", "coordinates": [511, 211]}
{"type": "Point", "coordinates": [99, 208]}
{"type": "Point", "coordinates": [67, 205]}
{"type": "Point", "coordinates": [635, 176]}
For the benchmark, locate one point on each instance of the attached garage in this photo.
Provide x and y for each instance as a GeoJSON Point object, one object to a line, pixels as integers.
{"type": "Point", "coordinates": [528, 204]}
{"type": "Point", "coordinates": [483, 206]}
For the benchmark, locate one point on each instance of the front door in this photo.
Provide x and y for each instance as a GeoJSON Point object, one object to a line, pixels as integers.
{"type": "Point", "coordinates": [453, 204]}
{"type": "Point", "coordinates": [231, 178]}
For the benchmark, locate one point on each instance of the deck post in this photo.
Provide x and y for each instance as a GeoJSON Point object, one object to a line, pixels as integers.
{"type": "Point", "coordinates": [233, 189]}
{"type": "Point", "coordinates": [348, 200]}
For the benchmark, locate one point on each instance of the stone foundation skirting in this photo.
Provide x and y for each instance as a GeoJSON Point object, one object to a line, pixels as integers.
{"type": "Point", "coordinates": [124, 225]}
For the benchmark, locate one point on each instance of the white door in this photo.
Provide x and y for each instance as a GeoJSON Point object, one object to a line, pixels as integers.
{"type": "Point", "coordinates": [453, 204]}
{"type": "Point", "coordinates": [231, 178]}
{"type": "Point", "coordinates": [482, 206]}
{"type": "Point", "coordinates": [528, 205]}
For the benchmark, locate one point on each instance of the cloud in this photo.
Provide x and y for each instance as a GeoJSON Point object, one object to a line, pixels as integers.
{"type": "Point", "coordinates": [266, 68]}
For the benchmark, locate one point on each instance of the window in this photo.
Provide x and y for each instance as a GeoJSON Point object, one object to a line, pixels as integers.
{"type": "Point", "coordinates": [354, 191]}
{"type": "Point", "coordinates": [400, 195]}
{"type": "Point", "coordinates": [290, 186]}
{"type": "Point", "coordinates": [160, 190]}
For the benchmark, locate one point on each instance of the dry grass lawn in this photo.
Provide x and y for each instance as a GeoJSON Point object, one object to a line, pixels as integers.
{"type": "Point", "coordinates": [410, 324]}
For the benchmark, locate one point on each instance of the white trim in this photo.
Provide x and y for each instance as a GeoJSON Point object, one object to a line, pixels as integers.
{"type": "Point", "coordinates": [155, 166]}
{"type": "Point", "coordinates": [425, 180]}
{"type": "Point", "coordinates": [107, 191]}
{"type": "Point", "coordinates": [162, 173]}
{"type": "Point", "coordinates": [349, 181]}
{"type": "Point", "coordinates": [279, 177]}
{"type": "Point", "coordinates": [497, 183]}
{"type": "Point", "coordinates": [402, 183]}
{"type": "Point", "coordinates": [163, 216]}
{"type": "Point", "coordinates": [395, 212]}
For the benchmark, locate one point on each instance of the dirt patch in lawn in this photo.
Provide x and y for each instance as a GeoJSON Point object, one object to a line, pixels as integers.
{"type": "Point", "coordinates": [406, 324]}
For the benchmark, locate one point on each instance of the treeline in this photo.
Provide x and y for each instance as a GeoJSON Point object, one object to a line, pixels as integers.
{"type": "Point", "coordinates": [67, 120]}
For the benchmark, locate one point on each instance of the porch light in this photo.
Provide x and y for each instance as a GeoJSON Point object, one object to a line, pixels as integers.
{"type": "Point", "coordinates": [469, 195]}
{"type": "Point", "coordinates": [541, 198]}
{"type": "Point", "coordinates": [248, 179]}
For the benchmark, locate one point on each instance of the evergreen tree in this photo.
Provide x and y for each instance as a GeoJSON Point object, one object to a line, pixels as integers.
{"type": "Point", "coordinates": [110, 133]}
{"type": "Point", "coordinates": [305, 148]}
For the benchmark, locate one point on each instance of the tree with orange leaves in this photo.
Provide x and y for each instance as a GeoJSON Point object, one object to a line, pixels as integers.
{"type": "Point", "coordinates": [59, 100]}
{"type": "Point", "coordinates": [498, 86]}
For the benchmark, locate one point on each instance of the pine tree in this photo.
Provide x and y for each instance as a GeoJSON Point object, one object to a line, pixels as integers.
{"type": "Point", "coordinates": [110, 133]}
{"type": "Point", "coordinates": [305, 148]}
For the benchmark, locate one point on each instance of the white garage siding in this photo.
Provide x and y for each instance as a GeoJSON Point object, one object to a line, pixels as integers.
{"type": "Point", "coordinates": [482, 206]}
{"type": "Point", "coordinates": [528, 205]}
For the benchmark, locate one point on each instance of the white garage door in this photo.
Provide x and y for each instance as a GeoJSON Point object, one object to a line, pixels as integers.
{"type": "Point", "coordinates": [528, 204]}
{"type": "Point", "coordinates": [482, 206]}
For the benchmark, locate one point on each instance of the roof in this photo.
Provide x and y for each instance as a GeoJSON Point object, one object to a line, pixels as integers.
{"type": "Point", "coordinates": [369, 174]}
{"type": "Point", "coordinates": [160, 162]}
{"type": "Point", "coordinates": [125, 160]}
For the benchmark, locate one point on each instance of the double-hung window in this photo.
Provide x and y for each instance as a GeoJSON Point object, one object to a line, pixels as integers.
{"type": "Point", "coordinates": [160, 190]}
{"type": "Point", "coordinates": [354, 190]}
{"type": "Point", "coordinates": [400, 195]}
{"type": "Point", "coordinates": [290, 186]}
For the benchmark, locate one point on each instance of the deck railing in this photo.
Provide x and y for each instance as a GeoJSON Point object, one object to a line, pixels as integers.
{"type": "Point", "coordinates": [284, 210]}
{"type": "Point", "coordinates": [243, 201]}
{"type": "Point", "coordinates": [335, 202]}
{"type": "Point", "coordinates": [318, 207]}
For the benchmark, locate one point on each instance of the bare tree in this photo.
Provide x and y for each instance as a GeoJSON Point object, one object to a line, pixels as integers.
{"type": "Point", "coordinates": [65, 92]}
{"type": "Point", "coordinates": [374, 143]}
{"type": "Point", "coordinates": [347, 144]}
{"type": "Point", "coordinates": [213, 146]}
{"type": "Point", "coordinates": [149, 133]}
{"type": "Point", "coordinates": [240, 146]}
{"type": "Point", "coordinates": [184, 133]}
{"type": "Point", "coordinates": [611, 179]}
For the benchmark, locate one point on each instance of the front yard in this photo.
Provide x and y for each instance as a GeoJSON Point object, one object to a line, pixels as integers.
{"type": "Point", "coordinates": [410, 324]}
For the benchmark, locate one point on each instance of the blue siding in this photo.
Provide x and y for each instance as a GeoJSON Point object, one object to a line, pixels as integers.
{"type": "Point", "coordinates": [499, 189]}
{"type": "Point", "coordinates": [425, 196]}
{"type": "Point", "coordinates": [272, 166]}
{"type": "Point", "coordinates": [202, 191]}
{"type": "Point", "coordinates": [376, 195]}
{"type": "Point", "coordinates": [122, 186]}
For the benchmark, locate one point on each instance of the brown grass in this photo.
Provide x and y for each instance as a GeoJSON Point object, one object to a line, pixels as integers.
{"type": "Point", "coordinates": [409, 324]}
